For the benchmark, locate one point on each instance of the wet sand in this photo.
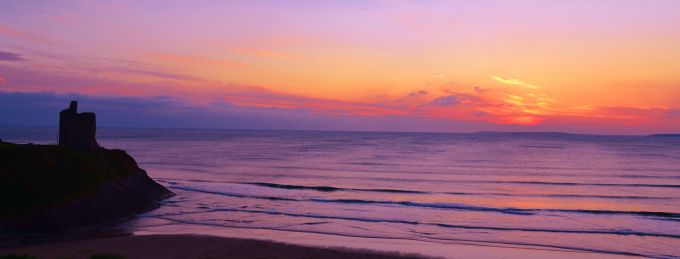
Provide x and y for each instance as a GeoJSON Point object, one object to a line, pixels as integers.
{"type": "Point", "coordinates": [189, 246]}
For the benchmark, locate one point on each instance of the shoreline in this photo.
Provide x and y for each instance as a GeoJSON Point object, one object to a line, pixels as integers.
{"type": "Point", "coordinates": [191, 246]}
{"type": "Point", "coordinates": [207, 242]}
{"type": "Point", "coordinates": [460, 249]}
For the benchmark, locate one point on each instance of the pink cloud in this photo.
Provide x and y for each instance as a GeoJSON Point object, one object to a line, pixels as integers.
{"type": "Point", "coordinates": [175, 58]}
{"type": "Point", "coordinates": [17, 79]}
{"type": "Point", "coordinates": [23, 35]}
{"type": "Point", "coordinates": [268, 99]}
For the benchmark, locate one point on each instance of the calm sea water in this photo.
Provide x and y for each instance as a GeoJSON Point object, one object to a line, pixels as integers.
{"type": "Point", "coordinates": [611, 195]}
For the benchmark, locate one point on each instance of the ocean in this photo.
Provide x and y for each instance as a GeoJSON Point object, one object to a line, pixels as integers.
{"type": "Point", "coordinates": [585, 194]}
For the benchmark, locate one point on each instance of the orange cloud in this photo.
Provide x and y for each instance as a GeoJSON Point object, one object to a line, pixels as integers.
{"type": "Point", "coordinates": [268, 99]}
{"type": "Point", "coordinates": [497, 106]}
{"type": "Point", "coordinates": [493, 106]}
{"type": "Point", "coordinates": [516, 82]}
{"type": "Point", "coordinates": [174, 58]}
{"type": "Point", "coordinates": [512, 106]}
{"type": "Point", "coordinates": [503, 105]}
{"type": "Point", "coordinates": [522, 120]}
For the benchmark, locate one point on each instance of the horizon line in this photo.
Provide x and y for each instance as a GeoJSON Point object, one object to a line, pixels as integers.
{"type": "Point", "coordinates": [367, 131]}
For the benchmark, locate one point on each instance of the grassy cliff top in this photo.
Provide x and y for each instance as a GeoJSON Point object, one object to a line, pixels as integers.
{"type": "Point", "coordinates": [41, 177]}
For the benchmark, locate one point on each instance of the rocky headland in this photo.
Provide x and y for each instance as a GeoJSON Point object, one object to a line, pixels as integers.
{"type": "Point", "coordinates": [51, 188]}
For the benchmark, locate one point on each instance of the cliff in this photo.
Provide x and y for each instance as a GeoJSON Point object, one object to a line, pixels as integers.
{"type": "Point", "coordinates": [46, 188]}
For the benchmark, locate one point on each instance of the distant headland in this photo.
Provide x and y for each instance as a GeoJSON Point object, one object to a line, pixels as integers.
{"type": "Point", "coordinates": [665, 135]}
{"type": "Point", "coordinates": [48, 188]}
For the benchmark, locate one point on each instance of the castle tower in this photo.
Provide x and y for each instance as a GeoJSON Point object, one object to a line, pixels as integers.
{"type": "Point", "coordinates": [77, 130]}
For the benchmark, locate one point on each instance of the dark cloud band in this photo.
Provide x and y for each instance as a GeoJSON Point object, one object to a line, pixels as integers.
{"type": "Point", "coordinates": [8, 56]}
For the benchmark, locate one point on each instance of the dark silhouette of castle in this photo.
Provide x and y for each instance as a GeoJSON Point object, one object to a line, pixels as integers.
{"type": "Point", "coordinates": [77, 130]}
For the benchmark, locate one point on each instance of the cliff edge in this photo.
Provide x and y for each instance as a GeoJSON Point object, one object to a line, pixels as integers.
{"type": "Point", "coordinates": [47, 188]}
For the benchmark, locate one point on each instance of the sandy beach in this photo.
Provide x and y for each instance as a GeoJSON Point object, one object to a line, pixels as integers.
{"type": "Point", "coordinates": [261, 243]}
{"type": "Point", "coordinates": [189, 246]}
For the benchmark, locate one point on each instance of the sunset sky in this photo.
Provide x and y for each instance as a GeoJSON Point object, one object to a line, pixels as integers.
{"type": "Point", "coordinates": [593, 66]}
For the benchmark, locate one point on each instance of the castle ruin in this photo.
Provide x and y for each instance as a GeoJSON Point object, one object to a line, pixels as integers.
{"type": "Point", "coordinates": [77, 130]}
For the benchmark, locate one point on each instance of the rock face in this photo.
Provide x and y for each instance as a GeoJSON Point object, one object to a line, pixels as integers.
{"type": "Point", "coordinates": [46, 188]}
{"type": "Point", "coordinates": [77, 130]}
